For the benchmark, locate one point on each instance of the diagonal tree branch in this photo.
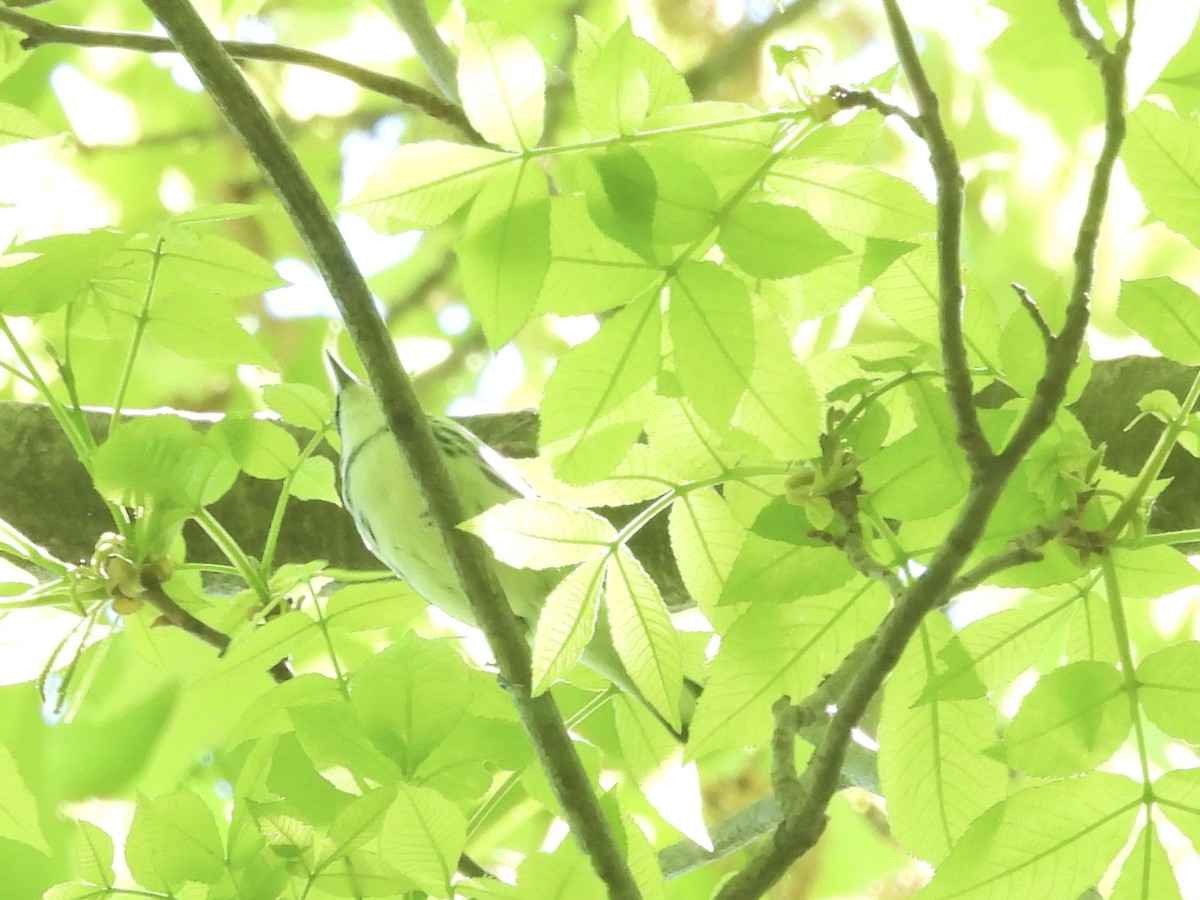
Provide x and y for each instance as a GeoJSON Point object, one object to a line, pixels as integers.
{"type": "Point", "coordinates": [41, 33]}
{"type": "Point", "coordinates": [409, 427]}
{"type": "Point", "coordinates": [808, 796]}
{"type": "Point", "coordinates": [439, 62]}
{"type": "Point", "coordinates": [947, 174]}
{"type": "Point", "coordinates": [1064, 352]}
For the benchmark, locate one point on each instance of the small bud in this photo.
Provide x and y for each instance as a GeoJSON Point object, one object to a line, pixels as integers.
{"type": "Point", "coordinates": [157, 572]}
{"type": "Point", "coordinates": [126, 606]}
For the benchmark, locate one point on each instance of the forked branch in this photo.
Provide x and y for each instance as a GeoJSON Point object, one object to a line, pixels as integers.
{"type": "Point", "coordinates": [806, 797]}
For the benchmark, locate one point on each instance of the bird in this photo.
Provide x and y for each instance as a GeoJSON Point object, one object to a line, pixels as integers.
{"type": "Point", "coordinates": [378, 490]}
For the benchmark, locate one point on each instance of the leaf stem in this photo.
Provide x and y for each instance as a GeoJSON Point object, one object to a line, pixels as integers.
{"type": "Point", "coordinates": [245, 566]}
{"type": "Point", "coordinates": [1116, 610]}
{"type": "Point", "coordinates": [135, 342]}
{"type": "Point", "coordinates": [1153, 466]}
{"type": "Point", "coordinates": [77, 435]}
{"type": "Point", "coordinates": [281, 504]}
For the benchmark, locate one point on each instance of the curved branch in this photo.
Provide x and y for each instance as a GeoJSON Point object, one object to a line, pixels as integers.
{"type": "Point", "coordinates": [947, 174]}
{"type": "Point", "coordinates": [1062, 355]}
{"type": "Point", "coordinates": [410, 429]}
{"type": "Point", "coordinates": [41, 33]}
{"type": "Point", "coordinates": [439, 62]}
{"type": "Point", "coordinates": [808, 798]}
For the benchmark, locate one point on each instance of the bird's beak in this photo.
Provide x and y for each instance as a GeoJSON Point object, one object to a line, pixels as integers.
{"type": "Point", "coordinates": [341, 375]}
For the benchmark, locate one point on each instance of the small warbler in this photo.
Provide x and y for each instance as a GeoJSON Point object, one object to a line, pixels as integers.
{"type": "Point", "coordinates": [379, 492]}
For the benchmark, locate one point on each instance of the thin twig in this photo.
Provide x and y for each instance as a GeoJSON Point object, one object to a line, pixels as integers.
{"type": "Point", "coordinates": [176, 615]}
{"type": "Point", "coordinates": [847, 98]}
{"type": "Point", "coordinates": [1039, 320]}
{"type": "Point", "coordinates": [735, 50]}
{"type": "Point", "coordinates": [1070, 11]}
{"type": "Point", "coordinates": [1063, 355]}
{"type": "Point", "coordinates": [41, 33]}
{"type": "Point", "coordinates": [410, 430]}
{"type": "Point", "coordinates": [1020, 551]}
{"type": "Point", "coordinates": [845, 504]}
{"type": "Point", "coordinates": [947, 174]}
{"type": "Point", "coordinates": [802, 825]}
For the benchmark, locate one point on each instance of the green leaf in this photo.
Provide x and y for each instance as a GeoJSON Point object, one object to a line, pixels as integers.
{"type": "Point", "coordinates": [651, 200]}
{"type": "Point", "coordinates": [930, 765]}
{"type": "Point", "coordinates": [772, 240]}
{"type": "Point", "coordinates": [854, 199]}
{"type": "Point", "coordinates": [566, 624]}
{"type": "Point", "coordinates": [1164, 312]}
{"type": "Point", "coordinates": [174, 839]}
{"type": "Point", "coordinates": [643, 634]}
{"type": "Point", "coordinates": [642, 861]}
{"type": "Point", "coordinates": [197, 263]}
{"type": "Point", "coordinates": [12, 54]}
{"type": "Point", "coordinates": [505, 250]}
{"type": "Point", "coordinates": [1162, 156]}
{"type": "Point", "coordinates": [602, 447]}
{"type": "Point", "coordinates": [1003, 645]}
{"type": "Point", "coordinates": [423, 836]}
{"type": "Point", "coordinates": [92, 854]}
{"type": "Point", "coordinates": [775, 649]}
{"type": "Point", "coordinates": [361, 607]}
{"type": "Point", "coordinates": [421, 185]}
{"type": "Point", "coordinates": [359, 822]}
{"type": "Point", "coordinates": [685, 201]}
{"type": "Point", "coordinates": [268, 715]}
{"type": "Point", "coordinates": [1147, 573]}
{"type": "Point", "coordinates": [739, 141]}
{"type": "Point", "coordinates": [19, 819]}
{"type": "Point", "coordinates": [160, 461]}
{"type": "Point", "coordinates": [586, 384]}
{"type": "Point", "coordinates": [1053, 840]}
{"type": "Point", "coordinates": [301, 405]}
{"type": "Point", "coordinates": [618, 84]}
{"type": "Point", "coordinates": [705, 539]}
{"type": "Point", "coordinates": [712, 333]}
{"type": "Point", "coordinates": [264, 645]}
{"type": "Point", "coordinates": [589, 271]}
{"type": "Point", "coordinates": [923, 473]}
{"type": "Point", "coordinates": [366, 874]}
{"type": "Point", "coordinates": [907, 293]}
{"type": "Point", "coordinates": [105, 752]}
{"type": "Point", "coordinates": [216, 212]}
{"type": "Point", "coordinates": [1183, 788]}
{"type": "Point", "coordinates": [316, 480]}
{"type": "Point", "coordinates": [410, 697]}
{"type": "Point", "coordinates": [43, 275]}
{"type": "Point", "coordinates": [1147, 872]}
{"type": "Point", "coordinates": [333, 738]}
{"type": "Point", "coordinates": [1167, 691]}
{"type": "Point", "coordinates": [623, 199]}
{"type": "Point", "coordinates": [564, 873]}
{"type": "Point", "coordinates": [204, 328]}
{"type": "Point", "coordinates": [262, 449]}
{"type": "Point", "coordinates": [780, 415]}
{"type": "Point", "coordinates": [1074, 718]}
{"type": "Point", "coordinates": [540, 534]}
{"type": "Point", "coordinates": [18, 124]}
{"type": "Point", "coordinates": [774, 572]}
{"type": "Point", "coordinates": [502, 82]}
{"type": "Point", "coordinates": [651, 754]}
